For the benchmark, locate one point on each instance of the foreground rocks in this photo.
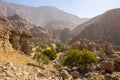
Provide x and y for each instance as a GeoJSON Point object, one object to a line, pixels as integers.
{"type": "Point", "coordinates": [12, 72]}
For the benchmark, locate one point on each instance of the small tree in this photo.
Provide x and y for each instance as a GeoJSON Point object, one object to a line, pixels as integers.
{"type": "Point", "coordinates": [51, 54]}
{"type": "Point", "coordinates": [79, 58]}
{"type": "Point", "coordinates": [41, 58]}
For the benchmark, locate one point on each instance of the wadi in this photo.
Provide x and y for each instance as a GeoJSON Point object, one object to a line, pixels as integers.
{"type": "Point", "coordinates": [47, 43]}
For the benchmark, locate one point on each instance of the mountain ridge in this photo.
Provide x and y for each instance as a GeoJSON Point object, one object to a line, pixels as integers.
{"type": "Point", "coordinates": [103, 27]}
{"type": "Point", "coordinates": [39, 16]}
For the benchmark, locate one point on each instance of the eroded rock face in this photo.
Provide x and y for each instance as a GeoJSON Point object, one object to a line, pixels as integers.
{"type": "Point", "coordinates": [22, 41]}
{"type": "Point", "coordinates": [14, 34]}
{"type": "Point", "coordinates": [4, 34]}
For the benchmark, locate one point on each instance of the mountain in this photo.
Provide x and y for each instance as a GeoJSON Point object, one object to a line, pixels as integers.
{"type": "Point", "coordinates": [38, 15]}
{"type": "Point", "coordinates": [60, 24]}
{"type": "Point", "coordinates": [104, 27]}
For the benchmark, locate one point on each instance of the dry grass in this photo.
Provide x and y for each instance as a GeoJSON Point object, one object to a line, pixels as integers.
{"type": "Point", "coordinates": [15, 58]}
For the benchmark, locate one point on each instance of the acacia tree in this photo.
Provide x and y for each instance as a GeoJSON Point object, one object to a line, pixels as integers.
{"type": "Point", "coordinates": [79, 58]}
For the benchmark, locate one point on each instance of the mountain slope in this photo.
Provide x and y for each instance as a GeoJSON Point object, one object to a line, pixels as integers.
{"type": "Point", "coordinates": [38, 15]}
{"type": "Point", "coordinates": [104, 27]}
{"type": "Point", "coordinates": [60, 24]}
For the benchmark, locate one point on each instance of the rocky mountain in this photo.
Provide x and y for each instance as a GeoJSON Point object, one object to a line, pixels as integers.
{"type": "Point", "coordinates": [105, 27]}
{"type": "Point", "coordinates": [39, 15]}
{"type": "Point", "coordinates": [60, 24]}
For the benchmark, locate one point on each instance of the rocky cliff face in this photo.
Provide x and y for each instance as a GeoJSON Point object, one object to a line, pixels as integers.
{"type": "Point", "coordinates": [11, 37]}
{"type": "Point", "coordinates": [104, 27]}
{"type": "Point", "coordinates": [4, 34]}
{"type": "Point", "coordinates": [22, 41]}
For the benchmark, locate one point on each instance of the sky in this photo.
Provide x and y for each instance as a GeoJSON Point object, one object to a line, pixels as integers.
{"type": "Point", "coordinates": [81, 8]}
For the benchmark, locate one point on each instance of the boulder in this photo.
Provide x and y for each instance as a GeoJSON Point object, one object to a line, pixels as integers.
{"type": "Point", "coordinates": [65, 75]}
{"type": "Point", "coordinates": [107, 65]}
{"type": "Point", "coordinates": [75, 74]}
{"type": "Point", "coordinates": [116, 58]}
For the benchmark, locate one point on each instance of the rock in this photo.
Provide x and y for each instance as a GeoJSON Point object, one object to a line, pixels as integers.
{"type": "Point", "coordinates": [108, 77]}
{"type": "Point", "coordinates": [74, 68]}
{"type": "Point", "coordinates": [75, 74]}
{"type": "Point", "coordinates": [107, 65]}
{"type": "Point", "coordinates": [116, 78]}
{"type": "Point", "coordinates": [65, 75]}
{"type": "Point", "coordinates": [22, 41]}
{"type": "Point", "coordinates": [116, 58]}
{"type": "Point", "coordinates": [78, 79]}
{"type": "Point", "coordinates": [84, 79]}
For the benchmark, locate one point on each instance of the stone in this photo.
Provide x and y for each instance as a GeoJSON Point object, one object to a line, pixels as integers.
{"type": "Point", "coordinates": [74, 68]}
{"type": "Point", "coordinates": [107, 65]}
{"type": "Point", "coordinates": [116, 58]}
{"type": "Point", "coordinates": [75, 74]}
{"type": "Point", "coordinates": [64, 74]}
{"type": "Point", "coordinates": [108, 77]}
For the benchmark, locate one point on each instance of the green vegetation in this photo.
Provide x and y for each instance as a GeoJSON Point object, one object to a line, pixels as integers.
{"type": "Point", "coordinates": [41, 58]}
{"type": "Point", "coordinates": [60, 47]}
{"type": "Point", "coordinates": [51, 54]}
{"type": "Point", "coordinates": [79, 58]}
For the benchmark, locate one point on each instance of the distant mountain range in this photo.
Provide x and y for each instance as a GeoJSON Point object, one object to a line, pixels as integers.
{"type": "Point", "coordinates": [41, 16]}
{"type": "Point", "coordinates": [105, 27]}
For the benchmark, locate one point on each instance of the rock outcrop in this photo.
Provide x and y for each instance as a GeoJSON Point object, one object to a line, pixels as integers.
{"type": "Point", "coordinates": [14, 34]}
{"type": "Point", "coordinates": [22, 41]}
{"type": "Point", "coordinates": [4, 34]}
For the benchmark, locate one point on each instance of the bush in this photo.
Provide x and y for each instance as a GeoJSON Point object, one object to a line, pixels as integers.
{"type": "Point", "coordinates": [60, 47]}
{"type": "Point", "coordinates": [79, 58]}
{"type": "Point", "coordinates": [51, 54]}
{"type": "Point", "coordinates": [41, 58]}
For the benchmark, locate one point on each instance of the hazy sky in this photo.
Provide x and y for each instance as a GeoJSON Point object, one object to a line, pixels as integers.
{"type": "Point", "coordinates": [81, 8]}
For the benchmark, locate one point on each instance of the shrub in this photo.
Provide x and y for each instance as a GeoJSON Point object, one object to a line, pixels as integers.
{"type": "Point", "coordinates": [51, 54]}
{"type": "Point", "coordinates": [79, 58]}
{"type": "Point", "coordinates": [60, 47]}
{"type": "Point", "coordinates": [41, 58]}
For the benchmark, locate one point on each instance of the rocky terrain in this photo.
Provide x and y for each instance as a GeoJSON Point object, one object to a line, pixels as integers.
{"type": "Point", "coordinates": [104, 27]}
{"type": "Point", "coordinates": [40, 16]}
{"type": "Point", "coordinates": [30, 52]}
{"type": "Point", "coordinates": [109, 61]}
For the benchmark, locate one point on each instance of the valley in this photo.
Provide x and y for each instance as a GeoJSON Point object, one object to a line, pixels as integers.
{"type": "Point", "coordinates": [46, 43]}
